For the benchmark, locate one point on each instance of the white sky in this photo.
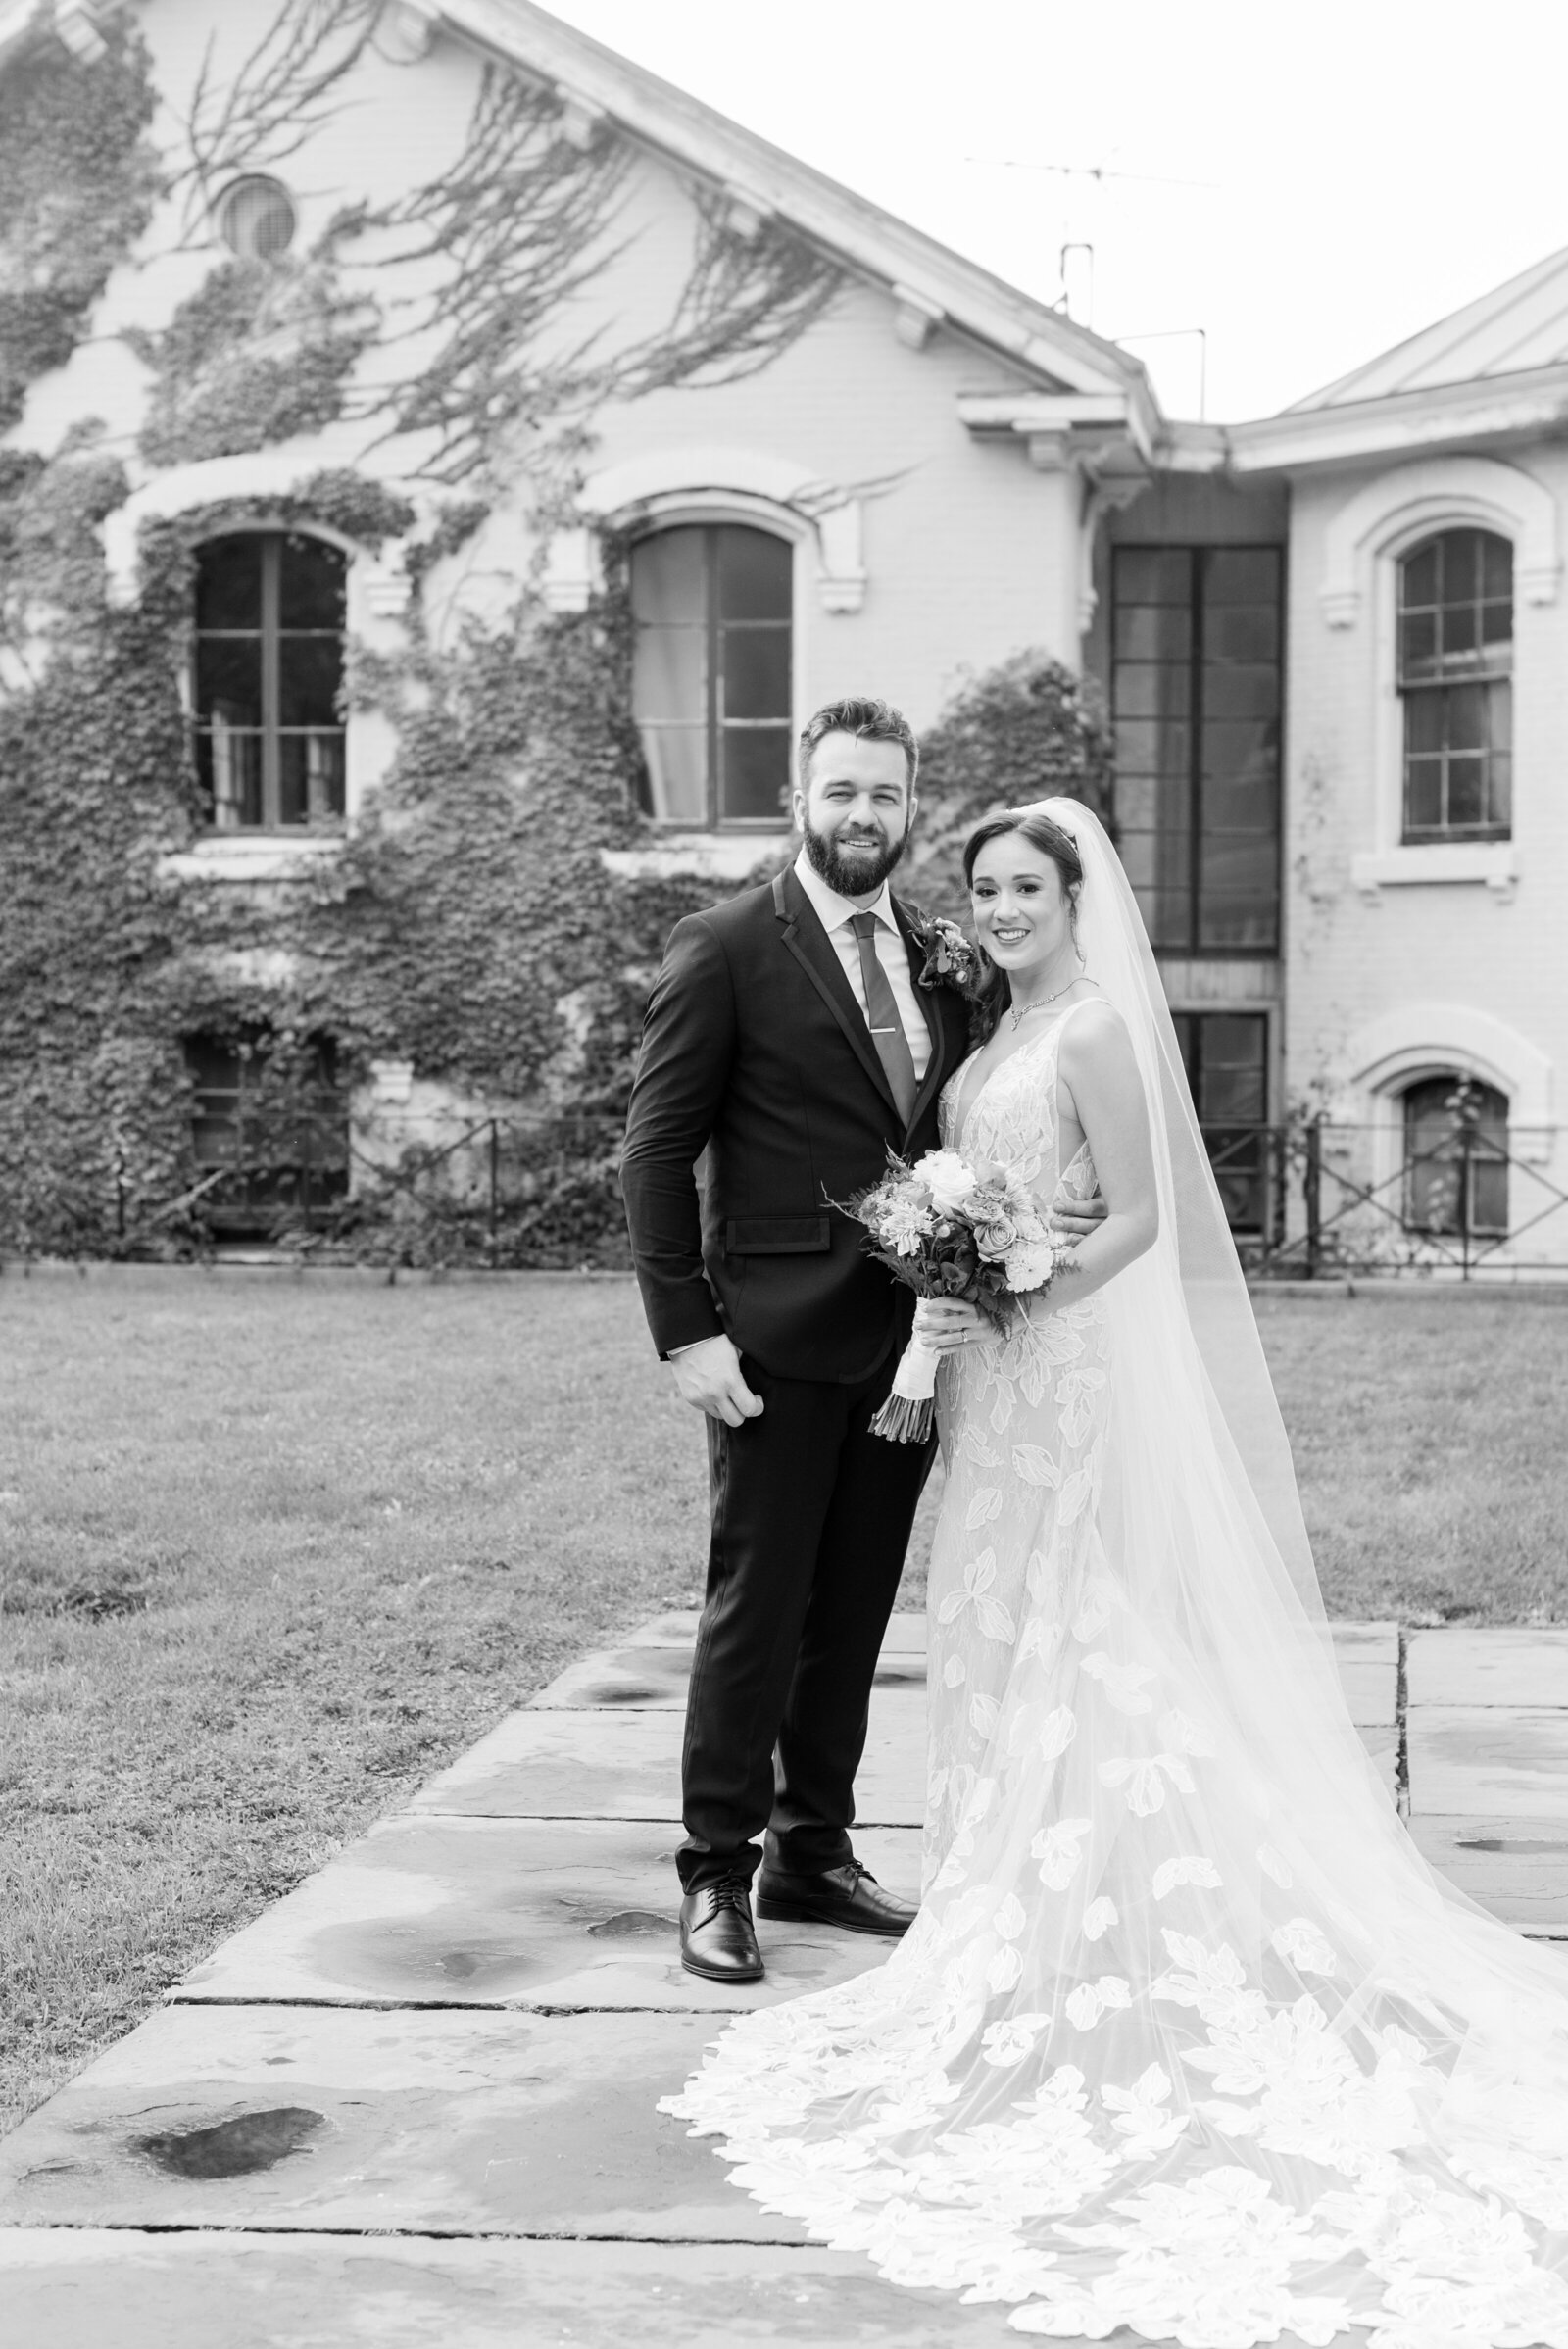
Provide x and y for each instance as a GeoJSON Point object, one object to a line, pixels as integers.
{"type": "Point", "coordinates": [1373, 164]}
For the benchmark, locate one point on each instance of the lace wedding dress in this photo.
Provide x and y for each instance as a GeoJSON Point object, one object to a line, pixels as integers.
{"type": "Point", "coordinates": [1186, 2037]}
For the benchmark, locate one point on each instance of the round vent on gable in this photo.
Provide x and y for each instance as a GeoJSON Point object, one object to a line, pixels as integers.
{"type": "Point", "coordinates": [255, 218]}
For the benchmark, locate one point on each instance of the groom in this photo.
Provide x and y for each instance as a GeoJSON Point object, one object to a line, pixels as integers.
{"type": "Point", "coordinates": [789, 1046]}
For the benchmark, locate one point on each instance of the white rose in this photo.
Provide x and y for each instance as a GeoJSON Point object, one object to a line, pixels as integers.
{"type": "Point", "coordinates": [1029, 1265]}
{"type": "Point", "coordinates": [949, 1180]}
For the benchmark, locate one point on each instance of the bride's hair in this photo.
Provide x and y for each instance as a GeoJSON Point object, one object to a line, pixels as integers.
{"type": "Point", "coordinates": [994, 990]}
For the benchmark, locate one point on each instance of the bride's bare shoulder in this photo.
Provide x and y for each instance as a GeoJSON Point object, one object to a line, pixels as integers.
{"type": "Point", "coordinates": [1093, 1023]}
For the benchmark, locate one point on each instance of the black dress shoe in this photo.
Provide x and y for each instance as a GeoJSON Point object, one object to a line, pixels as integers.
{"type": "Point", "coordinates": [849, 1897]}
{"type": "Point", "coordinates": [717, 1939]}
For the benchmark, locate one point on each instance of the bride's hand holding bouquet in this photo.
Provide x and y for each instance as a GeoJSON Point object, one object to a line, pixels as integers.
{"type": "Point", "coordinates": [962, 1234]}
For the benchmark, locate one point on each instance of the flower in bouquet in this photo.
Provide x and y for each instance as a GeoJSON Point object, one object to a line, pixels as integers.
{"type": "Point", "coordinates": [949, 1227]}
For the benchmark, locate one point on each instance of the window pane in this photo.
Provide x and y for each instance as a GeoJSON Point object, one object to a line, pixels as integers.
{"type": "Point", "coordinates": [1135, 803]}
{"type": "Point", "coordinates": [669, 675]}
{"type": "Point", "coordinates": [1241, 575]}
{"type": "Point", "coordinates": [228, 583]}
{"type": "Point", "coordinates": [1418, 645]}
{"type": "Point", "coordinates": [228, 679]}
{"type": "Point", "coordinates": [309, 680]}
{"type": "Point", "coordinates": [668, 577]}
{"type": "Point", "coordinates": [755, 773]}
{"type": "Point", "coordinates": [1137, 853]}
{"type": "Point", "coordinates": [1153, 574]}
{"type": "Point", "coordinates": [1248, 805]}
{"type": "Point", "coordinates": [1151, 746]}
{"type": "Point", "coordinates": [1242, 750]}
{"type": "Point", "coordinates": [754, 572]}
{"type": "Point", "coordinates": [1466, 807]}
{"type": "Point", "coordinates": [755, 680]}
{"type": "Point", "coordinates": [311, 584]}
{"type": "Point", "coordinates": [677, 773]}
{"type": "Point", "coordinates": [1501, 794]}
{"type": "Point", "coordinates": [1423, 794]}
{"type": "Point", "coordinates": [1153, 631]}
{"type": "Point", "coordinates": [1236, 692]}
{"type": "Point", "coordinates": [1466, 716]}
{"type": "Point", "coordinates": [1496, 565]}
{"type": "Point", "coordinates": [1461, 632]}
{"type": "Point", "coordinates": [229, 767]}
{"type": "Point", "coordinates": [1418, 575]}
{"type": "Point", "coordinates": [1242, 632]}
{"type": "Point", "coordinates": [1461, 565]}
{"type": "Point", "coordinates": [1150, 689]}
{"type": "Point", "coordinates": [1424, 721]}
{"type": "Point", "coordinates": [310, 777]}
{"type": "Point", "coordinates": [1496, 625]}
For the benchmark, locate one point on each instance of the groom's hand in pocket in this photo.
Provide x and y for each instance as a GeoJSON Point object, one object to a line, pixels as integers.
{"type": "Point", "coordinates": [708, 1376]}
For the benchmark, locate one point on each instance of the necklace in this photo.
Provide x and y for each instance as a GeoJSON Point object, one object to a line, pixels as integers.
{"type": "Point", "coordinates": [1019, 1013]}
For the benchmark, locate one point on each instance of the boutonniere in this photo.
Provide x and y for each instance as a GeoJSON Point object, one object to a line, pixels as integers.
{"type": "Point", "coordinates": [950, 958]}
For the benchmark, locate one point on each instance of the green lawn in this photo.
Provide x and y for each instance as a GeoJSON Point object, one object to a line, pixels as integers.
{"type": "Point", "coordinates": [272, 1549]}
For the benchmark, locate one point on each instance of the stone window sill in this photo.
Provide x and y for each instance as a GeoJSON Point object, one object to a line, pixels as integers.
{"type": "Point", "coordinates": [716, 856]}
{"type": "Point", "coordinates": [252, 856]}
{"type": "Point", "coordinates": [1494, 864]}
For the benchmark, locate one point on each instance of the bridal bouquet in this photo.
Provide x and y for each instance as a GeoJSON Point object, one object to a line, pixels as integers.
{"type": "Point", "coordinates": [950, 1226]}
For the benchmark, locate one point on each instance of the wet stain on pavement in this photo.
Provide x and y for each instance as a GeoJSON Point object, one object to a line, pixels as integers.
{"type": "Point", "coordinates": [633, 1925]}
{"type": "Point", "coordinates": [233, 2148]}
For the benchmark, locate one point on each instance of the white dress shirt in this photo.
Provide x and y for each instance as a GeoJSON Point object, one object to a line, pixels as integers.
{"type": "Point", "coordinates": [836, 914]}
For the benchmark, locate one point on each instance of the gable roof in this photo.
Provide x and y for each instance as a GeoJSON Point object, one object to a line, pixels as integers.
{"type": "Point", "coordinates": [1518, 327]}
{"type": "Point", "coordinates": [1047, 345]}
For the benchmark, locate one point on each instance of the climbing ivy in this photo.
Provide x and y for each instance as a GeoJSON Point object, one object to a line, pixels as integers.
{"type": "Point", "coordinates": [77, 181]}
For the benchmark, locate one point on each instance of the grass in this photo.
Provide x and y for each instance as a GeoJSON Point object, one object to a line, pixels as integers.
{"type": "Point", "coordinates": [272, 1549]}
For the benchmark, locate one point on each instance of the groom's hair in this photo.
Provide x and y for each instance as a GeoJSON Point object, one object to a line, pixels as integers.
{"type": "Point", "coordinates": [870, 720]}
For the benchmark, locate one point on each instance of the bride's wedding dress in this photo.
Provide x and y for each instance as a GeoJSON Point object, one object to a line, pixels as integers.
{"type": "Point", "coordinates": [1186, 2038]}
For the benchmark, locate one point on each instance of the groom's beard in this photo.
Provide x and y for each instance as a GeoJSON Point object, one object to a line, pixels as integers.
{"type": "Point", "coordinates": [852, 877]}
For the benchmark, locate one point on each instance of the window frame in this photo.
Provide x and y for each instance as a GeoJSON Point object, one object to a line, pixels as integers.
{"type": "Point", "coordinates": [1488, 676]}
{"type": "Point", "coordinates": [1199, 553]}
{"type": "Point", "coordinates": [251, 1199]}
{"type": "Point", "coordinates": [1494, 1152]}
{"type": "Point", "coordinates": [1259, 1167]}
{"type": "Point", "coordinates": [710, 513]}
{"type": "Point", "coordinates": [319, 825]}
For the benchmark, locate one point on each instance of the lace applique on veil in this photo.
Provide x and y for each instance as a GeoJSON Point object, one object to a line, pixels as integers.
{"type": "Point", "coordinates": [1185, 2037]}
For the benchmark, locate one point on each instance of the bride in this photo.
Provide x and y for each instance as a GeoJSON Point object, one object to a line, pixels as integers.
{"type": "Point", "coordinates": [1187, 2039]}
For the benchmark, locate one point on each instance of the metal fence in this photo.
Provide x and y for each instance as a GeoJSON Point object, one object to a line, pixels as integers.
{"type": "Point", "coordinates": [1321, 1198]}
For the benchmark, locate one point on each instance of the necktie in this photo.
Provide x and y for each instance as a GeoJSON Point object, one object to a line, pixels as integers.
{"type": "Point", "coordinates": [882, 1017]}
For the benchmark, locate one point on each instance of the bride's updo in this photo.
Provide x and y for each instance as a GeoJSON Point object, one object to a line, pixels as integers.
{"type": "Point", "coordinates": [994, 991]}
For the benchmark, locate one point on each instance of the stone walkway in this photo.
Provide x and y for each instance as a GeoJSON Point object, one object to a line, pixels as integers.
{"type": "Point", "coordinates": [414, 2103]}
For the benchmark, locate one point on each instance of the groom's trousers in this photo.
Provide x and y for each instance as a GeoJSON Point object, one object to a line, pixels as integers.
{"type": "Point", "coordinates": [811, 1518]}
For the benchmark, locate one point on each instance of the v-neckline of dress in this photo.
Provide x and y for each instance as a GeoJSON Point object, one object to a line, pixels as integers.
{"type": "Point", "coordinates": [963, 1113]}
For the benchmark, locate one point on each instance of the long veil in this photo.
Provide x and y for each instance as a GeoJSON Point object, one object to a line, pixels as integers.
{"type": "Point", "coordinates": [1187, 2036]}
{"type": "Point", "coordinates": [1211, 1451]}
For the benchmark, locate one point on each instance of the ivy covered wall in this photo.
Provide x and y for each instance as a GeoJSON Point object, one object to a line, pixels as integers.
{"type": "Point", "coordinates": [423, 367]}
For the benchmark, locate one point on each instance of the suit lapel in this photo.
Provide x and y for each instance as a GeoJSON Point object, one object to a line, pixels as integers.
{"type": "Point", "coordinates": [930, 1003]}
{"type": "Point", "coordinates": [806, 940]}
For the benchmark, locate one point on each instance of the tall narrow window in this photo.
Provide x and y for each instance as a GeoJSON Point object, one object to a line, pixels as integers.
{"type": "Point", "coordinates": [1195, 692]}
{"type": "Point", "coordinates": [711, 685]}
{"type": "Point", "coordinates": [1454, 678]}
{"type": "Point", "coordinates": [269, 617]}
{"type": "Point", "coordinates": [1226, 1058]}
{"type": "Point", "coordinates": [1455, 1157]}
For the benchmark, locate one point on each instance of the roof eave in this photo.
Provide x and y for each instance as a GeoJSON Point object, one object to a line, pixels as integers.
{"type": "Point", "coordinates": [671, 122]}
{"type": "Point", "coordinates": [1491, 407]}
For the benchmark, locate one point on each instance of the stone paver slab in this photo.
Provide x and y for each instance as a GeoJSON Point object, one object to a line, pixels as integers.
{"type": "Point", "coordinates": [1482, 1761]}
{"type": "Point", "coordinates": [1518, 1665]}
{"type": "Point", "coordinates": [641, 1676]}
{"type": "Point", "coordinates": [112, 2291]}
{"type": "Point", "coordinates": [302, 2117]}
{"type": "Point", "coordinates": [432, 1909]}
{"type": "Point", "coordinates": [1516, 1867]}
{"type": "Point", "coordinates": [570, 1764]}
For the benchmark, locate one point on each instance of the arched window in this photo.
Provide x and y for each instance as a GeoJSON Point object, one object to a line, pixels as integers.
{"type": "Point", "coordinates": [1456, 1156]}
{"type": "Point", "coordinates": [1455, 663]}
{"type": "Point", "coordinates": [711, 687]}
{"type": "Point", "coordinates": [269, 741]}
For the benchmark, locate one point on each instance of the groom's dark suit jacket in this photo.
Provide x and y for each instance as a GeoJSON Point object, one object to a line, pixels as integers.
{"type": "Point", "coordinates": [756, 1058]}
